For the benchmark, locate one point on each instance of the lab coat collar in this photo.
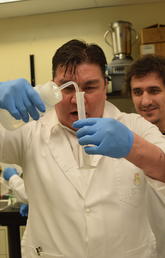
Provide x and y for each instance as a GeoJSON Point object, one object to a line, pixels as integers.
{"type": "Point", "coordinates": [111, 111]}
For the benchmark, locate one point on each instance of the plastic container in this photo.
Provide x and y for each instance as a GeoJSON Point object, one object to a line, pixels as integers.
{"type": "Point", "coordinates": [86, 163]}
{"type": "Point", "coordinates": [50, 94]}
{"type": "Point", "coordinates": [5, 200]}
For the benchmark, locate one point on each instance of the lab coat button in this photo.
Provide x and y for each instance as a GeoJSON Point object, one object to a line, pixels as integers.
{"type": "Point", "coordinates": [88, 210]}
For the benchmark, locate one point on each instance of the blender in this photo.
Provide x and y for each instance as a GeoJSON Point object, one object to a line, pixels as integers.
{"type": "Point", "coordinates": [119, 37]}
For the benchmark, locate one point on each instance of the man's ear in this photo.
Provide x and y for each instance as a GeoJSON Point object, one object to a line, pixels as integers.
{"type": "Point", "coordinates": [106, 82]}
{"type": "Point", "coordinates": [106, 87]}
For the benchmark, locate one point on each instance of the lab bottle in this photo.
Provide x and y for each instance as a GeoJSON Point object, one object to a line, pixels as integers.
{"type": "Point", "coordinates": [50, 94]}
{"type": "Point", "coordinates": [4, 197]}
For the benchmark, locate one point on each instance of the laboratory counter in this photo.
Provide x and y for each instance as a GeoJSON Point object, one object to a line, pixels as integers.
{"type": "Point", "coordinates": [11, 218]}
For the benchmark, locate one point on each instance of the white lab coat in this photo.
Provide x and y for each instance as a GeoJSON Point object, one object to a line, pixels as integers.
{"type": "Point", "coordinates": [156, 213]}
{"type": "Point", "coordinates": [3, 187]}
{"type": "Point", "coordinates": [15, 183]}
{"type": "Point", "coordinates": [107, 219]}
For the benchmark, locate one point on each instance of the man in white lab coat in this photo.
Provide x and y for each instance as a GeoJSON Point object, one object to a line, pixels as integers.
{"type": "Point", "coordinates": [79, 210]}
{"type": "Point", "coordinates": [146, 82]}
{"type": "Point", "coordinates": [11, 179]}
{"type": "Point", "coordinates": [14, 181]}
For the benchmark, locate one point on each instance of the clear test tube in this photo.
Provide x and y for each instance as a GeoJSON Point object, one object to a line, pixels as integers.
{"type": "Point", "coordinates": [80, 104]}
{"type": "Point", "coordinates": [82, 115]}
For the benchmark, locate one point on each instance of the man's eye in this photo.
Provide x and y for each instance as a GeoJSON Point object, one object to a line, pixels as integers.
{"type": "Point", "coordinates": [137, 92]}
{"type": "Point", "coordinates": [90, 88]}
{"type": "Point", "coordinates": [68, 89]}
{"type": "Point", "coordinates": [154, 91]}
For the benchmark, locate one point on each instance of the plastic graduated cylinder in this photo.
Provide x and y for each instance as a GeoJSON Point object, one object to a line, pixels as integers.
{"type": "Point", "coordinates": [86, 164]}
{"type": "Point", "coordinates": [51, 94]}
{"type": "Point", "coordinates": [81, 115]}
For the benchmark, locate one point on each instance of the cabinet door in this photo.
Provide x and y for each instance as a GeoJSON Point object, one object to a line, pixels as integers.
{"type": "Point", "coordinates": [3, 243]}
{"type": "Point", "coordinates": [21, 229]}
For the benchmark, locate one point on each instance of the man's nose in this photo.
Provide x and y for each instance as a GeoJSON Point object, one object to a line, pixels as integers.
{"type": "Point", "coordinates": [146, 99]}
{"type": "Point", "coordinates": [73, 98]}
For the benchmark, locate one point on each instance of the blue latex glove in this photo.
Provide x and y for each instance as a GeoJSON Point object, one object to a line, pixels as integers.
{"type": "Point", "coordinates": [109, 136]}
{"type": "Point", "coordinates": [20, 99]}
{"type": "Point", "coordinates": [24, 210]}
{"type": "Point", "coordinates": [9, 172]}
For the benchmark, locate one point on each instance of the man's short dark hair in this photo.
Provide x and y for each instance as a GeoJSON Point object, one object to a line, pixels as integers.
{"type": "Point", "coordinates": [76, 52]}
{"type": "Point", "coordinates": [145, 65]}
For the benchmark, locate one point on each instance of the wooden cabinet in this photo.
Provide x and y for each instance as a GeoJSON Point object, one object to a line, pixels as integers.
{"type": "Point", "coordinates": [3, 242]}
{"type": "Point", "coordinates": [21, 229]}
{"type": "Point", "coordinates": [12, 220]}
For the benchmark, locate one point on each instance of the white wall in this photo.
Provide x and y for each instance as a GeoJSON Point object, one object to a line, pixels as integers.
{"type": "Point", "coordinates": [41, 35]}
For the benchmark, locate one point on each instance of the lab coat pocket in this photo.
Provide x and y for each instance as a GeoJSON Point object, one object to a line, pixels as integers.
{"type": "Point", "coordinates": [130, 183]}
{"type": "Point", "coordinates": [146, 250]}
{"type": "Point", "coordinates": [34, 252]}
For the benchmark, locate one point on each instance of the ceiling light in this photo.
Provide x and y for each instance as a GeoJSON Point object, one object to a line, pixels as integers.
{"type": "Point", "coordinates": [9, 1]}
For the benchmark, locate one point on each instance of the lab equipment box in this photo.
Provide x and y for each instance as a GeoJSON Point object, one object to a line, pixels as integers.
{"type": "Point", "coordinates": [153, 34]}
{"type": "Point", "coordinates": [156, 49]}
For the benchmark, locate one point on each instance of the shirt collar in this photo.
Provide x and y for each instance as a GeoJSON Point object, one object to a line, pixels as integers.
{"type": "Point", "coordinates": [51, 122]}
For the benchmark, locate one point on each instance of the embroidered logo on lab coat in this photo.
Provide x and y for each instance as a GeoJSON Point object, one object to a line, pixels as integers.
{"type": "Point", "coordinates": [137, 179]}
